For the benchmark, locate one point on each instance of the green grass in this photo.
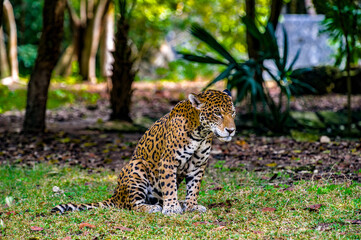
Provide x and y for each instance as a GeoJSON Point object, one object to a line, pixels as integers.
{"type": "Point", "coordinates": [16, 99]}
{"type": "Point", "coordinates": [242, 216]}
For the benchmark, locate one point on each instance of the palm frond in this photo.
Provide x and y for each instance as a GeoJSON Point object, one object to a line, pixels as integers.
{"type": "Point", "coordinates": [200, 59]}
{"type": "Point", "coordinates": [200, 33]}
{"type": "Point", "coordinates": [222, 75]}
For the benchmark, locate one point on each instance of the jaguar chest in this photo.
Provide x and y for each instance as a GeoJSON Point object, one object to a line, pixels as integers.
{"type": "Point", "coordinates": [192, 156]}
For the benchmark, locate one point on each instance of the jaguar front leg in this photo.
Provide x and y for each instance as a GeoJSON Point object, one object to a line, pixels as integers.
{"type": "Point", "coordinates": [194, 176]}
{"type": "Point", "coordinates": [193, 182]}
{"type": "Point", "coordinates": [168, 184]}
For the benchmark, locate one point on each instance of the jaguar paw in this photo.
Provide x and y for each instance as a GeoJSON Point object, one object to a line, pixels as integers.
{"type": "Point", "coordinates": [198, 208]}
{"type": "Point", "coordinates": [155, 208]}
{"type": "Point", "coordinates": [176, 209]}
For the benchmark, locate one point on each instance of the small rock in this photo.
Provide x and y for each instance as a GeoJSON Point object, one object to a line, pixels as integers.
{"type": "Point", "coordinates": [325, 139]}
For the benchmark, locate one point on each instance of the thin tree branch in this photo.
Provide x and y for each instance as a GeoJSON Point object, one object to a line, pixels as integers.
{"type": "Point", "coordinates": [75, 20]}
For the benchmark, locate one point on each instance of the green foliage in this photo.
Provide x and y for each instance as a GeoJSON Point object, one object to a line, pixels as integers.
{"type": "Point", "coordinates": [27, 55]}
{"type": "Point", "coordinates": [304, 136]}
{"type": "Point", "coordinates": [29, 20]}
{"type": "Point", "coordinates": [159, 18]}
{"type": "Point", "coordinates": [11, 99]}
{"type": "Point", "coordinates": [246, 76]}
{"type": "Point", "coordinates": [179, 70]}
{"type": "Point", "coordinates": [16, 99]}
{"type": "Point", "coordinates": [343, 21]}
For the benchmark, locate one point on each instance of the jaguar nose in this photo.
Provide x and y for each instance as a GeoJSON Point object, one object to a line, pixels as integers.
{"type": "Point", "coordinates": [230, 130]}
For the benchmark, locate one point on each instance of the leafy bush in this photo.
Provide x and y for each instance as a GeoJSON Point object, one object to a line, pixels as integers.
{"type": "Point", "coordinates": [343, 18]}
{"type": "Point", "coordinates": [180, 70]}
{"type": "Point", "coordinates": [342, 22]}
{"type": "Point", "coordinates": [27, 55]}
{"type": "Point", "coordinates": [246, 75]}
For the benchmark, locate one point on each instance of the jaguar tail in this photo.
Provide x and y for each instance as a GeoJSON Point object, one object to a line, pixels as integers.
{"type": "Point", "coordinates": [62, 208]}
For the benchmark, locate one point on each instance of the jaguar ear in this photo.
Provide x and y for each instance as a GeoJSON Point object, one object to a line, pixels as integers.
{"type": "Point", "coordinates": [195, 101]}
{"type": "Point", "coordinates": [227, 92]}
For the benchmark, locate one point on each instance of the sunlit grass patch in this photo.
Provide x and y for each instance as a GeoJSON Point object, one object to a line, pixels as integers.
{"type": "Point", "coordinates": [16, 99]}
{"type": "Point", "coordinates": [242, 205]}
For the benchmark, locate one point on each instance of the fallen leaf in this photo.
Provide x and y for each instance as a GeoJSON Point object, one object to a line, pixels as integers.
{"type": "Point", "coordinates": [216, 188]}
{"type": "Point", "coordinates": [65, 140]}
{"type": "Point", "coordinates": [34, 228]}
{"type": "Point", "coordinates": [353, 221]}
{"type": "Point", "coordinates": [11, 213]}
{"type": "Point", "coordinates": [200, 223]}
{"type": "Point", "coordinates": [227, 203]}
{"type": "Point", "coordinates": [124, 228]}
{"type": "Point", "coordinates": [268, 209]}
{"type": "Point", "coordinates": [242, 143]}
{"type": "Point", "coordinates": [219, 228]}
{"type": "Point", "coordinates": [83, 225]}
{"type": "Point", "coordinates": [91, 155]}
{"type": "Point", "coordinates": [315, 207]}
{"type": "Point", "coordinates": [287, 189]}
{"type": "Point", "coordinates": [258, 232]}
{"type": "Point", "coordinates": [271, 164]}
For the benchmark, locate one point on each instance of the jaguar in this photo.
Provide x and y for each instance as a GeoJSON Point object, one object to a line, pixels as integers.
{"type": "Point", "coordinates": [175, 148]}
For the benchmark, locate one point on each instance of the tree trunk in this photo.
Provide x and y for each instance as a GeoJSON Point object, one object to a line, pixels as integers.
{"type": "Point", "coordinates": [252, 42]}
{"type": "Point", "coordinates": [276, 7]}
{"type": "Point", "coordinates": [63, 67]}
{"type": "Point", "coordinates": [13, 45]}
{"type": "Point", "coordinates": [72, 52]}
{"type": "Point", "coordinates": [107, 43]}
{"type": "Point", "coordinates": [48, 54]}
{"type": "Point", "coordinates": [86, 31]}
{"type": "Point", "coordinates": [296, 7]}
{"type": "Point", "coordinates": [1, 12]}
{"type": "Point", "coordinates": [123, 73]}
{"type": "Point", "coordinates": [91, 44]}
{"type": "Point", "coordinates": [4, 64]}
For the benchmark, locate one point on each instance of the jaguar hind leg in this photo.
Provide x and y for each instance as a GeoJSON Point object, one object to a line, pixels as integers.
{"type": "Point", "coordinates": [140, 191]}
{"type": "Point", "coordinates": [143, 207]}
{"type": "Point", "coordinates": [140, 202]}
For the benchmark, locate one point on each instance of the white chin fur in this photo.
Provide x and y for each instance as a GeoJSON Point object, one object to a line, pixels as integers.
{"type": "Point", "coordinates": [225, 139]}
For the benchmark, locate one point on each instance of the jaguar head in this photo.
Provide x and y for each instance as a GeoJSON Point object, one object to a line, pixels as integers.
{"type": "Point", "coordinates": [216, 112]}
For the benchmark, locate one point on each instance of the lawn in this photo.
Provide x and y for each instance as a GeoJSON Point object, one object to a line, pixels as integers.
{"type": "Point", "coordinates": [242, 205]}
{"type": "Point", "coordinates": [15, 99]}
